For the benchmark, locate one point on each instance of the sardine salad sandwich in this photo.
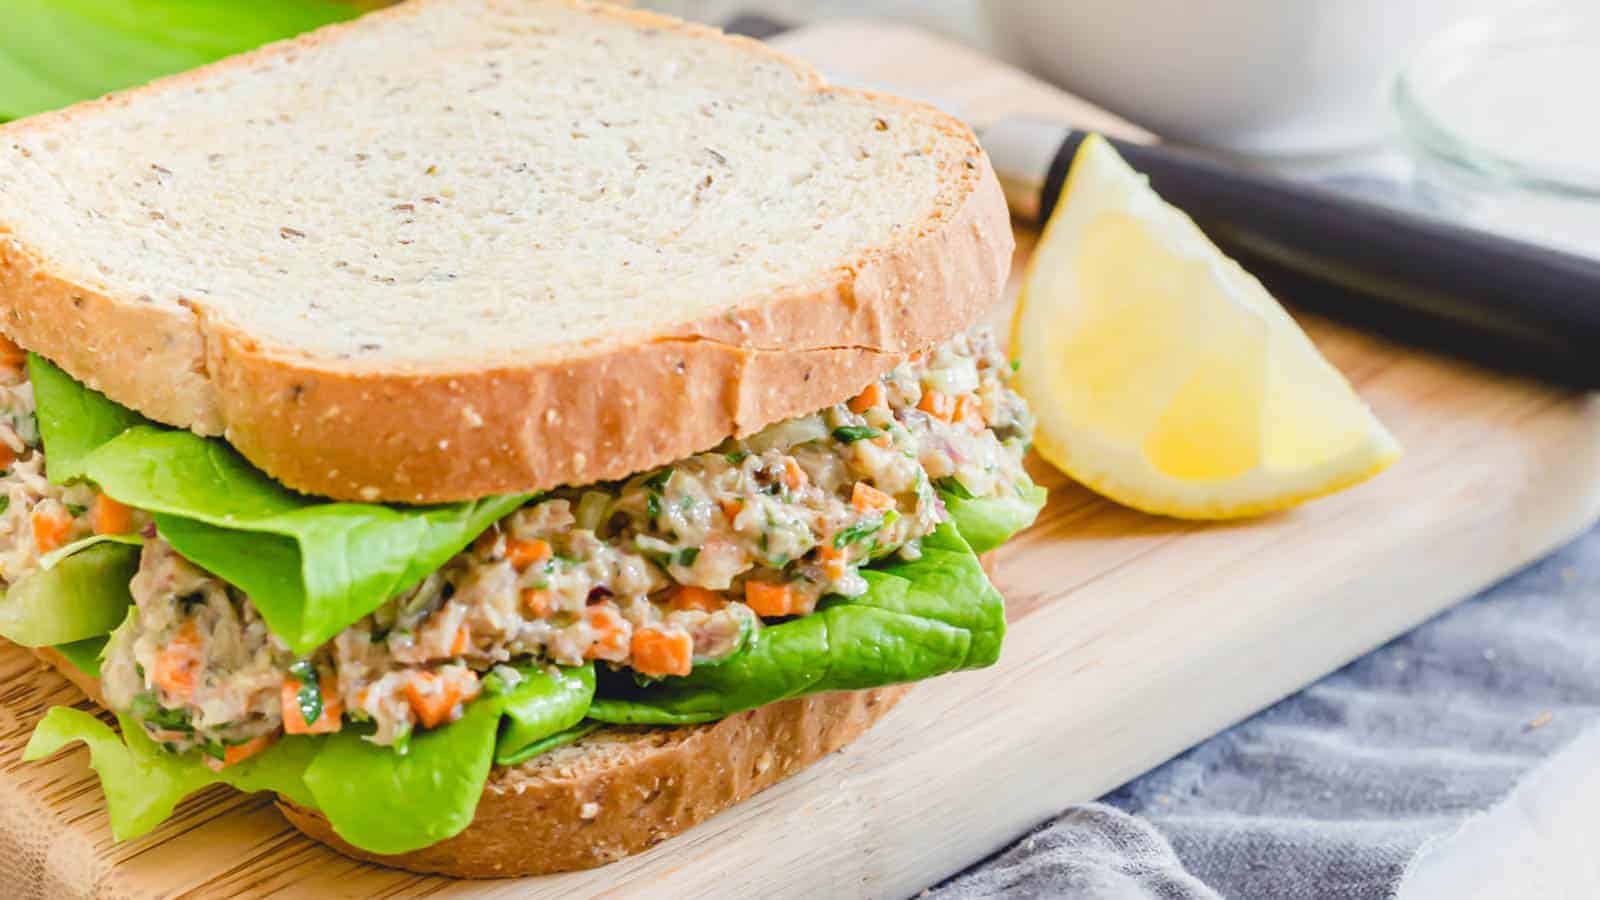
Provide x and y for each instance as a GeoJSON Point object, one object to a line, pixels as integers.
{"type": "Point", "coordinates": [509, 431]}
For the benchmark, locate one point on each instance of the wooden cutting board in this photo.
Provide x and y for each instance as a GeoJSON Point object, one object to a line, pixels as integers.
{"type": "Point", "coordinates": [1132, 638]}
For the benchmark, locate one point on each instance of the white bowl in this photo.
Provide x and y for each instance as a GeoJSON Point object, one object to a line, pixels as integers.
{"type": "Point", "coordinates": [1256, 76]}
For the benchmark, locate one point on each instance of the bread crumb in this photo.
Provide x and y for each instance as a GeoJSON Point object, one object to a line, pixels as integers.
{"type": "Point", "coordinates": [1541, 720]}
{"type": "Point", "coordinates": [763, 762]}
{"type": "Point", "coordinates": [589, 810]}
{"type": "Point", "coordinates": [371, 495]}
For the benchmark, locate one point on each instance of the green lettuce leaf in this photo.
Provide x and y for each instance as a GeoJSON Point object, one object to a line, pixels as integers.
{"type": "Point", "coordinates": [85, 654]}
{"type": "Point", "coordinates": [385, 802]}
{"type": "Point", "coordinates": [988, 522]}
{"type": "Point", "coordinates": [56, 53]}
{"type": "Point", "coordinates": [82, 596]}
{"type": "Point", "coordinates": [917, 619]}
{"type": "Point", "coordinates": [376, 798]}
{"type": "Point", "coordinates": [73, 419]}
{"type": "Point", "coordinates": [143, 782]}
{"type": "Point", "coordinates": [542, 705]}
{"type": "Point", "coordinates": [559, 739]}
{"type": "Point", "coordinates": [311, 566]}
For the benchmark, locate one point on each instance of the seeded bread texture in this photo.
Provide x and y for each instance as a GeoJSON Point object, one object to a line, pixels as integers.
{"type": "Point", "coordinates": [465, 247]}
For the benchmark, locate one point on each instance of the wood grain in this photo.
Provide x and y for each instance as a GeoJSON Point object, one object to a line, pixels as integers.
{"type": "Point", "coordinates": [1132, 638]}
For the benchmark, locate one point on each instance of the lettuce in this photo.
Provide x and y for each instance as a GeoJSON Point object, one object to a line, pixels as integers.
{"type": "Point", "coordinates": [375, 798]}
{"type": "Point", "coordinates": [988, 522]}
{"type": "Point", "coordinates": [918, 619]}
{"type": "Point", "coordinates": [58, 53]}
{"type": "Point", "coordinates": [312, 566]}
{"type": "Point", "coordinates": [73, 420]}
{"type": "Point", "coordinates": [143, 782]}
{"type": "Point", "coordinates": [85, 654]}
{"type": "Point", "coordinates": [82, 596]}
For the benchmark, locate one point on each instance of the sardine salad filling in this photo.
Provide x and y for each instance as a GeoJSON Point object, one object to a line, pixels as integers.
{"type": "Point", "coordinates": [662, 572]}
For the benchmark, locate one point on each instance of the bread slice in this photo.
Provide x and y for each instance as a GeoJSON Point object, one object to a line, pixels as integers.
{"type": "Point", "coordinates": [616, 791]}
{"type": "Point", "coordinates": [465, 247]}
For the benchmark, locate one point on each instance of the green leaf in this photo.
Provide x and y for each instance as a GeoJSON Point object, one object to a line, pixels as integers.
{"type": "Point", "coordinates": [383, 802]}
{"type": "Point", "coordinates": [849, 434]}
{"type": "Point", "coordinates": [49, 560]}
{"type": "Point", "coordinates": [84, 654]}
{"type": "Point", "coordinates": [57, 52]}
{"type": "Point", "coordinates": [988, 522]}
{"type": "Point", "coordinates": [542, 705]}
{"type": "Point", "coordinates": [311, 566]}
{"type": "Point", "coordinates": [917, 619]}
{"type": "Point", "coordinates": [143, 782]}
{"type": "Point", "coordinates": [73, 420]}
{"type": "Point", "coordinates": [309, 697]}
{"type": "Point", "coordinates": [559, 739]}
{"type": "Point", "coordinates": [82, 596]}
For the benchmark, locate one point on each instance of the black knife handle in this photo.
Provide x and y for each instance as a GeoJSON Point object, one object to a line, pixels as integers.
{"type": "Point", "coordinates": [1407, 275]}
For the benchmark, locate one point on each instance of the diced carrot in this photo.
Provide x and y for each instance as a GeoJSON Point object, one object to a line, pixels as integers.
{"type": "Point", "coordinates": [462, 642]}
{"type": "Point", "coordinates": [882, 440]}
{"type": "Point", "coordinates": [178, 663]}
{"type": "Point", "coordinates": [869, 397]}
{"type": "Point", "coordinates": [238, 753]}
{"type": "Point", "coordinates": [689, 596]}
{"type": "Point", "coordinates": [938, 404]}
{"type": "Point", "coordinates": [433, 697]}
{"type": "Point", "coordinates": [7, 456]}
{"type": "Point", "coordinates": [112, 517]}
{"type": "Point", "coordinates": [659, 653]}
{"type": "Point", "coordinates": [50, 528]}
{"type": "Point", "coordinates": [769, 599]}
{"type": "Point", "coordinates": [866, 498]}
{"type": "Point", "coordinates": [611, 634]}
{"type": "Point", "coordinates": [294, 720]}
{"type": "Point", "coordinates": [731, 508]}
{"type": "Point", "coordinates": [524, 553]}
{"type": "Point", "coordinates": [969, 409]}
{"type": "Point", "coordinates": [536, 602]}
{"type": "Point", "coordinates": [832, 558]}
{"type": "Point", "coordinates": [794, 477]}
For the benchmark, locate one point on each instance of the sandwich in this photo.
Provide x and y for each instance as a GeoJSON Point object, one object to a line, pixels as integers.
{"type": "Point", "coordinates": [508, 432]}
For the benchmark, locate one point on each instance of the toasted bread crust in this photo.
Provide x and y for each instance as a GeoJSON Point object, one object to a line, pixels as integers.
{"type": "Point", "coordinates": [422, 435]}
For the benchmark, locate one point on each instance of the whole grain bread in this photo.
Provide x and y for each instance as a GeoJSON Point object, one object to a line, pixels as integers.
{"type": "Point", "coordinates": [465, 247]}
{"type": "Point", "coordinates": [616, 791]}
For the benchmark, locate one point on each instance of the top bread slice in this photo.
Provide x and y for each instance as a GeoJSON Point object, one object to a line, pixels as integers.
{"type": "Point", "coordinates": [466, 247]}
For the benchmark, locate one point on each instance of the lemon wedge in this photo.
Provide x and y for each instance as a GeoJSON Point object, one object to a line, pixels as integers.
{"type": "Point", "coordinates": [1163, 375]}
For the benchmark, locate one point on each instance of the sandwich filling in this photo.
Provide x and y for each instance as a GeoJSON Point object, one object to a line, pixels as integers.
{"type": "Point", "coordinates": [658, 575]}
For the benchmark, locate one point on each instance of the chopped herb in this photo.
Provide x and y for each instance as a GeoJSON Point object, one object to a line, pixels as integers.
{"type": "Point", "coordinates": [952, 485]}
{"type": "Point", "coordinates": [849, 434]}
{"type": "Point", "coordinates": [1016, 364]}
{"type": "Point", "coordinates": [736, 457]}
{"type": "Point", "coordinates": [147, 709]}
{"type": "Point", "coordinates": [857, 532]}
{"type": "Point", "coordinates": [652, 504]}
{"type": "Point", "coordinates": [659, 480]}
{"type": "Point", "coordinates": [309, 697]}
{"type": "Point", "coordinates": [5, 502]}
{"type": "Point", "coordinates": [688, 555]}
{"type": "Point", "coordinates": [215, 750]}
{"type": "Point", "coordinates": [190, 600]}
{"type": "Point", "coordinates": [76, 510]}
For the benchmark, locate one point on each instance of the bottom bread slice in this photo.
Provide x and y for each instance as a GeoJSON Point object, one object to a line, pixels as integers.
{"type": "Point", "coordinates": [617, 791]}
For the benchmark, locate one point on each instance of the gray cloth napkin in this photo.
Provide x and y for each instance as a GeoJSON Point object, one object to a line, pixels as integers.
{"type": "Point", "coordinates": [1329, 794]}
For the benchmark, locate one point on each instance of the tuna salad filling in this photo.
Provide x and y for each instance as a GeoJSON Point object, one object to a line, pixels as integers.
{"type": "Point", "coordinates": [660, 574]}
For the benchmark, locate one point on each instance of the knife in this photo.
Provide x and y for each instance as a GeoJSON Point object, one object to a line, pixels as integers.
{"type": "Point", "coordinates": [1416, 278]}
